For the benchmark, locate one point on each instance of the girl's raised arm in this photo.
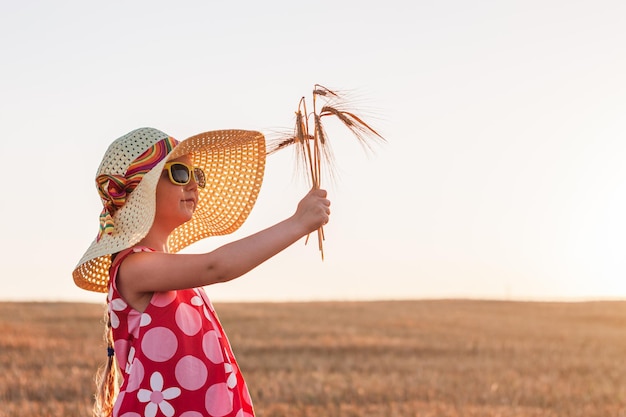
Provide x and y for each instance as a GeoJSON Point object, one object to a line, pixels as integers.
{"type": "Point", "coordinates": [143, 273]}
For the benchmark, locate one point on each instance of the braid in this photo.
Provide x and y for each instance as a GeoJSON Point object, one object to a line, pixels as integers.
{"type": "Point", "coordinates": [107, 381]}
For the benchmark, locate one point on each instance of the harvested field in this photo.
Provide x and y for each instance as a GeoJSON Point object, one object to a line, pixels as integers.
{"type": "Point", "coordinates": [388, 358]}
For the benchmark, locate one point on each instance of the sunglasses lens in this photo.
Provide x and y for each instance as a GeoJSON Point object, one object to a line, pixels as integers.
{"type": "Point", "coordinates": [180, 173]}
{"type": "Point", "coordinates": [198, 175]}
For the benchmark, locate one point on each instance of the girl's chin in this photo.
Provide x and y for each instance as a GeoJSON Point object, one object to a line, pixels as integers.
{"type": "Point", "coordinates": [189, 206]}
{"type": "Point", "coordinates": [187, 217]}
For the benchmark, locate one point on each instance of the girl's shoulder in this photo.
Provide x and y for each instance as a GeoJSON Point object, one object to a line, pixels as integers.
{"type": "Point", "coordinates": [117, 258]}
{"type": "Point", "coordinates": [116, 262]}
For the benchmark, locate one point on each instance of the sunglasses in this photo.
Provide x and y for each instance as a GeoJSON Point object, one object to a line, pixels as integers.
{"type": "Point", "coordinates": [180, 174]}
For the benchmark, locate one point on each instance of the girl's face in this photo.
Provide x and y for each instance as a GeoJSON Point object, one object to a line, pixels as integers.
{"type": "Point", "coordinates": [175, 204]}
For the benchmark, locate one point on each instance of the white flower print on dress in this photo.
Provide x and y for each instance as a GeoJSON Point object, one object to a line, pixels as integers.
{"type": "Point", "coordinates": [156, 398]}
{"type": "Point", "coordinates": [207, 308]}
{"type": "Point", "coordinates": [196, 300]}
{"type": "Point", "coordinates": [145, 320]}
{"type": "Point", "coordinates": [131, 358]}
{"type": "Point", "coordinates": [116, 305]}
{"type": "Point", "coordinates": [229, 370]}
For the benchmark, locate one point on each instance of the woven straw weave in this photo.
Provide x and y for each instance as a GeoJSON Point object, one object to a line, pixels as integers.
{"type": "Point", "coordinates": [234, 163]}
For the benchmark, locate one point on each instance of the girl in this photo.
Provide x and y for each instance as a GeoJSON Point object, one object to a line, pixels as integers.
{"type": "Point", "coordinates": [160, 196]}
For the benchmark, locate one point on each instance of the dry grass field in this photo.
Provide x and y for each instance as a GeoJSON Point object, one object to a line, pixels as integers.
{"type": "Point", "coordinates": [400, 358]}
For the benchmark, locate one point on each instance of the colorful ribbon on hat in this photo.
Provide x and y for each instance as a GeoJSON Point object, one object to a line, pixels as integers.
{"type": "Point", "coordinates": [114, 189]}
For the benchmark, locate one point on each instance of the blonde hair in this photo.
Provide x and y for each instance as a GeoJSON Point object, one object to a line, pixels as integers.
{"type": "Point", "coordinates": [107, 377]}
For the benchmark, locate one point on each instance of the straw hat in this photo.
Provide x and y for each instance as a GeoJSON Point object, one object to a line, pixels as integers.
{"type": "Point", "coordinates": [233, 161]}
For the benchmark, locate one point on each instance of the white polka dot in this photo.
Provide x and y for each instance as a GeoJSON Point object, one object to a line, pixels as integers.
{"type": "Point", "coordinates": [191, 373]}
{"type": "Point", "coordinates": [191, 414]}
{"type": "Point", "coordinates": [118, 304]}
{"type": "Point", "coordinates": [115, 321]}
{"type": "Point", "coordinates": [188, 319]}
{"type": "Point", "coordinates": [161, 299]}
{"type": "Point", "coordinates": [218, 400]}
{"type": "Point", "coordinates": [196, 300]}
{"type": "Point", "coordinates": [211, 347]}
{"type": "Point", "coordinates": [159, 344]}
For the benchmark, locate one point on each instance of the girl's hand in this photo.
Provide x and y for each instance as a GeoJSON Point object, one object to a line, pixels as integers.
{"type": "Point", "coordinates": [313, 210]}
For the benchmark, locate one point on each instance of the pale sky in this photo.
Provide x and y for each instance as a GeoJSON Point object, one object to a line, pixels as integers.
{"type": "Point", "coordinates": [503, 176]}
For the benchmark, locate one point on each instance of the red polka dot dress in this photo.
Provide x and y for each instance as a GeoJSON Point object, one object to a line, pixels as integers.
{"type": "Point", "coordinates": [175, 357]}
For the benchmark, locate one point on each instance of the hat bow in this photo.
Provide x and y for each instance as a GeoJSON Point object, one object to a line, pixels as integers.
{"type": "Point", "coordinates": [114, 189]}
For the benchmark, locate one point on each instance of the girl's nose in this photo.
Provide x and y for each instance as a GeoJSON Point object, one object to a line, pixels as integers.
{"type": "Point", "coordinates": [192, 185]}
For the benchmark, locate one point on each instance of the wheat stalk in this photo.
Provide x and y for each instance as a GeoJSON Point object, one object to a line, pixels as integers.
{"type": "Point", "coordinates": [313, 149]}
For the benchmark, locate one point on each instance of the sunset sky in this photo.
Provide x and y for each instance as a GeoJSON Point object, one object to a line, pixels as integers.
{"type": "Point", "coordinates": [503, 175]}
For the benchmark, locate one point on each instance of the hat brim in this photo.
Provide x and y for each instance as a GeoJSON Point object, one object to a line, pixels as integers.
{"type": "Point", "coordinates": [234, 164]}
